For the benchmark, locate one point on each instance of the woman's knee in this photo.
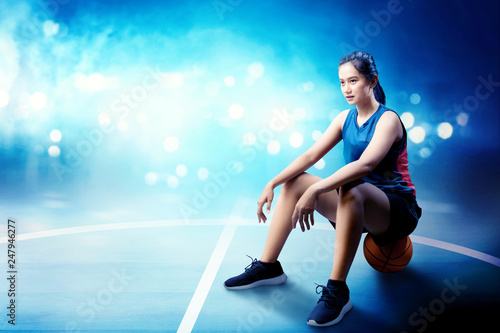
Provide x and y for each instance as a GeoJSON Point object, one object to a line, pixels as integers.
{"type": "Point", "coordinates": [297, 185]}
{"type": "Point", "coordinates": [352, 192]}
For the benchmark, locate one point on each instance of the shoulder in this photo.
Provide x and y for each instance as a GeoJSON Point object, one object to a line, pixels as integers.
{"type": "Point", "coordinates": [341, 117]}
{"type": "Point", "coordinates": [390, 116]}
{"type": "Point", "coordinates": [390, 122]}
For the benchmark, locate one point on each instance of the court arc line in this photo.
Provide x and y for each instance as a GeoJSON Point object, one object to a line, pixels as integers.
{"type": "Point", "coordinates": [234, 221]}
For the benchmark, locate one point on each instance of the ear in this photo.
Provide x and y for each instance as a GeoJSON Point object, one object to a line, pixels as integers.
{"type": "Point", "coordinates": [374, 81]}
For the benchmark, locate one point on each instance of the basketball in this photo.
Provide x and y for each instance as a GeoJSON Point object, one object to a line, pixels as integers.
{"type": "Point", "coordinates": [388, 258]}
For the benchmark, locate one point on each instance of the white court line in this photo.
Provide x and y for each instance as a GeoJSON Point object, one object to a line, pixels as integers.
{"type": "Point", "coordinates": [211, 270]}
{"type": "Point", "coordinates": [234, 220]}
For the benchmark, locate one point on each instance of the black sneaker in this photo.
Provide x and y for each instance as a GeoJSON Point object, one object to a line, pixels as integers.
{"type": "Point", "coordinates": [333, 304]}
{"type": "Point", "coordinates": [257, 274]}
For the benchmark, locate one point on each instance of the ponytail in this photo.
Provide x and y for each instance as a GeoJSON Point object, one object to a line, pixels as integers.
{"type": "Point", "coordinates": [379, 93]}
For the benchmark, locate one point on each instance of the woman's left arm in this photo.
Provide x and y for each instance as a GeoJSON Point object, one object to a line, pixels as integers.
{"type": "Point", "coordinates": [387, 131]}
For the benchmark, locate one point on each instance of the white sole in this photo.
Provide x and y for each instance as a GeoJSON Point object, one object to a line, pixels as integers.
{"type": "Point", "coordinates": [344, 310]}
{"type": "Point", "coordinates": [266, 282]}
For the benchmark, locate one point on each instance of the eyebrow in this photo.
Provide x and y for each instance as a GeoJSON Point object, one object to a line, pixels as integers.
{"type": "Point", "coordinates": [351, 77]}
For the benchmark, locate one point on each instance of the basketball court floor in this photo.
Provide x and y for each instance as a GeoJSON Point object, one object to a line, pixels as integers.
{"type": "Point", "coordinates": [116, 262]}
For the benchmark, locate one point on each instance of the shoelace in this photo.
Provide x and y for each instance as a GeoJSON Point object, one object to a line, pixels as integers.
{"type": "Point", "coordinates": [252, 265]}
{"type": "Point", "coordinates": [327, 295]}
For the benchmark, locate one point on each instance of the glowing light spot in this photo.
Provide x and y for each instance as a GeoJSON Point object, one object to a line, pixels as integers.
{"type": "Point", "coordinates": [408, 120]}
{"type": "Point", "coordinates": [54, 151]}
{"type": "Point", "coordinates": [181, 170]}
{"type": "Point", "coordinates": [4, 98]}
{"type": "Point", "coordinates": [308, 86]}
{"type": "Point", "coordinates": [172, 182]}
{"type": "Point", "coordinates": [236, 111]}
{"type": "Point", "coordinates": [212, 88]}
{"type": "Point", "coordinates": [415, 98]}
{"type": "Point", "coordinates": [320, 164]}
{"type": "Point", "coordinates": [203, 173]}
{"type": "Point", "coordinates": [95, 82]}
{"type": "Point", "coordinates": [38, 100]}
{"type": "Point", "coordinates": [296, 140]}
{"type": "Point", "coordinates": [122, 125]}
{"type": "Point", "coordinates": [173, 80]}
{"type": "Point", "coordinates": [229, 81]}
{"type": "Point", "coordinates": [316, 135]}
{"type": "Point", "coordinates": [425, 152]}
{"type": "Point", "coordinates": [50, 28]}
{"type": "Point", "coordinates": [249, 139]}
{"type": "Point", "coordinates": [462, 118]}
{"type": "Point", "coordinates": [256, 70]}
{"type": "Point", "coordinates": [38, 149]}
{"type": "Point", "coordinates": [445, 130]}
{"type": "Point", "coordinates": [55, 135]}
{"type": "Point", "coordinates": [151, 178]}
{"type": "Point", "coordinates": [273, 147]}
{"type": "Point", "coordinates": [142, 117]}
{"type": "Point", "coordinates": [103, 119]}
{"type": "Point", "coordinates": [171, 144]}
{"type": "Point", "coordinates": [417, 134]}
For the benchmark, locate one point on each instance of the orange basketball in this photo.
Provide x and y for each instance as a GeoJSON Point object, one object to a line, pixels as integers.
{"type": "Point", "coordinates": [388, 258]}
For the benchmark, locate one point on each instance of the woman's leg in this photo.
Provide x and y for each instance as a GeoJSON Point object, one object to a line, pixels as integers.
{"type": "Point", "coordinates": [360, 205]}
{"type": "Point", "coordinates": [281, 223]}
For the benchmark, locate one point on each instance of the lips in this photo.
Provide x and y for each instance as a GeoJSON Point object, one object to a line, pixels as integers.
{"type": "Point", "coordinates": [349, 97]}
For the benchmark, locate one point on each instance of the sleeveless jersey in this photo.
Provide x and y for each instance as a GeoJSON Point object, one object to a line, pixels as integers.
{"type": "Point", "coordinates": [391, 174]}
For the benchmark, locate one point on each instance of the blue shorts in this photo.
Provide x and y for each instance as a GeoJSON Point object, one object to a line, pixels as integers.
{"type": "Point", "coordinates": [404, 215]}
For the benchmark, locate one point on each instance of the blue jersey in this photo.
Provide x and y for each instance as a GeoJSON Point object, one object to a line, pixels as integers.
{"type": "Point", "coordinates": [391, 174]}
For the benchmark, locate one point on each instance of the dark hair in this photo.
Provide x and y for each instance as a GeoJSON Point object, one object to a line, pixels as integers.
{"type": "Point", "coordinates": [364, 63]}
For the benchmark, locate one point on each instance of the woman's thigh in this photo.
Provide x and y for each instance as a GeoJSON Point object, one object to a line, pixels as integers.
{"type": "Point", "coordinates": [375, 204]}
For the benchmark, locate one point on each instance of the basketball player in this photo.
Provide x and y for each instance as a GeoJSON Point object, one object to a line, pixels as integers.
{"type": "Point", "coordinates": [372, 193]}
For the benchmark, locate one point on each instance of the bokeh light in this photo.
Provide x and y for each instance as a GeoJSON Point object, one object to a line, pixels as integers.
{"type": "Point", "coordinates": [273, 147]}
{"type": "Point", "coordinates": [181, 170]}
{"type": "Point", "coordinates": [296, 140]}
{"type": "Point", "coordinates": [54, 151]}
{"type": "Point", "coordinates": [203, 173]}
{"type": "Point", "coordinates": [407, 119]}
{"type": "Point", "coordinates": [415, 98]}
{"type": "Point", "coordinates": [416, 134]}
{"type": "Point", "coordinates": [38, 100]}
{"type": "Point", "coordinates": [55, 135]}
{"type": "Point", "coordinates": [171, 144]}
{"type": "Point", "coordinates": [256, 70]}
{"type": "Point", "coordinates": [445, 130]}
{"type": "Point", "coordinates": [4, 98]}
{"type": "Point", "coordinates": [235, 111]}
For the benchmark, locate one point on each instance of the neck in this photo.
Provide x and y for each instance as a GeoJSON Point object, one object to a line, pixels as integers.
{"type": "Point", "coordinates": [367, 108]}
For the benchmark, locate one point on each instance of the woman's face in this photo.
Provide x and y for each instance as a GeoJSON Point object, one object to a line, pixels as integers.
{"type": "Point", "coordinates": [355, 87]}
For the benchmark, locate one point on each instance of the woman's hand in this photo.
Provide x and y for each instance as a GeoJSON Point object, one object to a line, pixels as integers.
{"type": "Point", "coordinates": [304, 210]}
{"type": "Point", "coordinates": [266, 197]}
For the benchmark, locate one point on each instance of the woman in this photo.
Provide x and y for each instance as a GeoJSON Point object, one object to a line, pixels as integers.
{"type": "Point", "coordinates": [372, 193]}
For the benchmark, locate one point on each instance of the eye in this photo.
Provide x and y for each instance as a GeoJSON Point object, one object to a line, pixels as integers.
{"type": "Point", "coordinates": [352, 81]}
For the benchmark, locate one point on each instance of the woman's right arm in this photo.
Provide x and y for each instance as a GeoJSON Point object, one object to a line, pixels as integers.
{"type": "Point", "coordinates": [325, 143]}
